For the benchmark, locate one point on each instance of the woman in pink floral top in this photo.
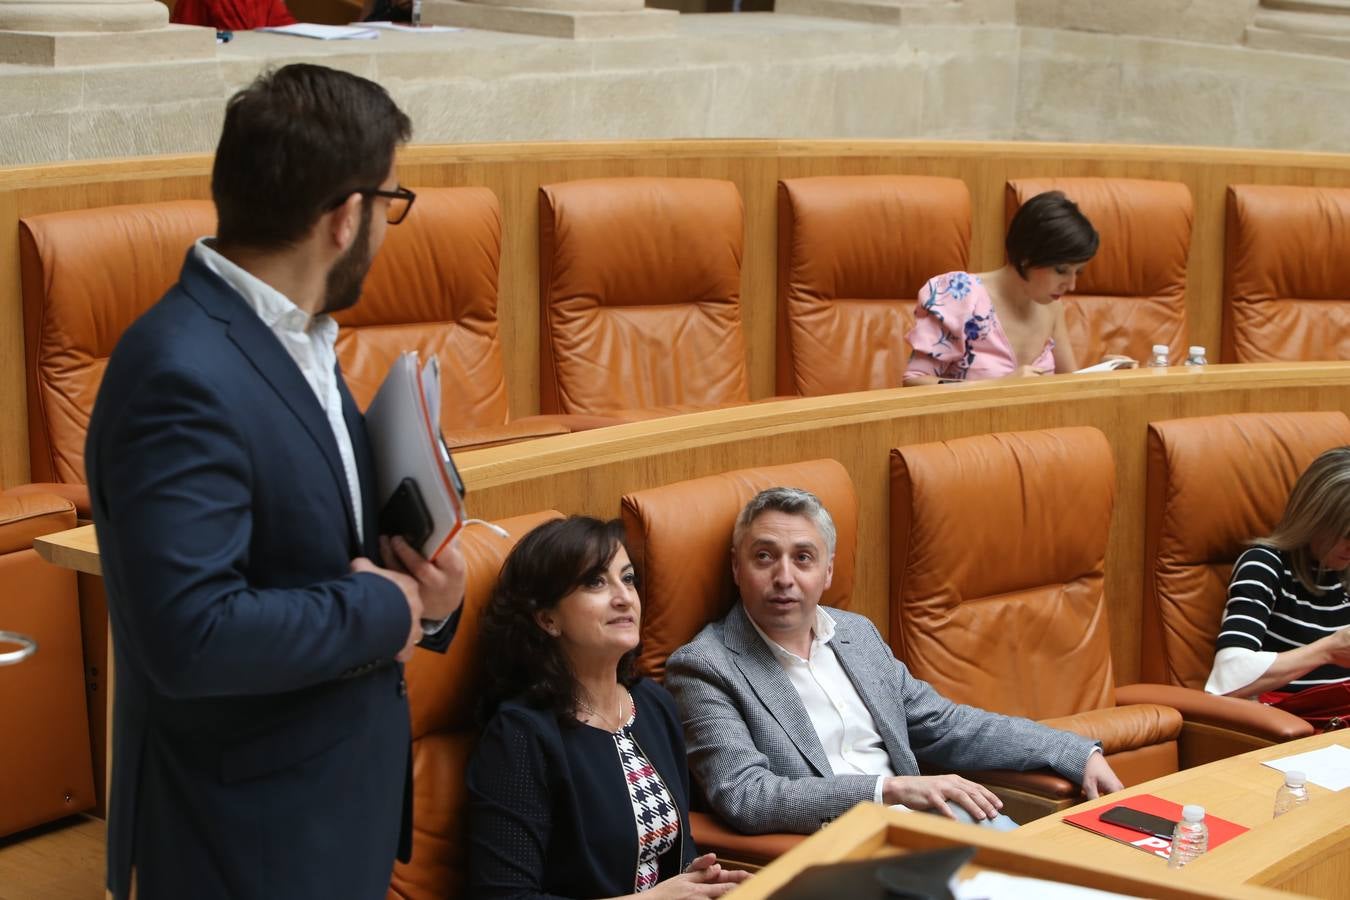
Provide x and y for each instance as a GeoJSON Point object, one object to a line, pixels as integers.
{"type": "Point", "coordinates": [970, 327]}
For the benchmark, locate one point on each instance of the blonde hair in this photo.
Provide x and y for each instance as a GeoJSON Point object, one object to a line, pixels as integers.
{"type": "Point", "coordinates": [1318, 510]}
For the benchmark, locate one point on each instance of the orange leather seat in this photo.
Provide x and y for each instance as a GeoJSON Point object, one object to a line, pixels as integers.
{"type": "Point", "coordinates": [853, 252]}
{"type": "Point", "coordinates": [433, 289]}
{"type": "Point", "coordinates": [1286, 274]}
{"type": "Point", "coordinates": [88, 274]}
{"type": "Point", "coordinates": [639, 293]}
{"type": "Point", "coordinates": [1214, 483]}
{"type": "Point", "coordinates": [1132, 294]}
{"type": "Point", "coordinates": [998, 547]}
{"type": "Point", "coordinates": [679, 538]}
{"type": "Point", "coordinates": [46, 770]}
{"type": "Point", "coordinates": [443, 691]}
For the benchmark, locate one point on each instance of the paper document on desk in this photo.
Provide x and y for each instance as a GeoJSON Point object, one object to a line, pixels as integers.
{"type": "Point", "coordinates": [991, 885]}
{"type": "Point", "coordinates": [418, 492]}
{"type": "Point", "coordinates": [1109, 365]}
{"type": "Point", "coordinates": [1328, 767]}
{"type": "Point", "coordinates": [325, 32]}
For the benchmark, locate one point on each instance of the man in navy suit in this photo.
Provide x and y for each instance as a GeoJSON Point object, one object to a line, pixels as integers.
{"type": "Point", "coordinates": [261, 733]}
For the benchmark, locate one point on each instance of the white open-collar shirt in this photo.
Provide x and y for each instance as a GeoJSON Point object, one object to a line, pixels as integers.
{"type": "Point", "coordinates": [842, 721]}
{"type": "Point", "coordinates": [311, 341]}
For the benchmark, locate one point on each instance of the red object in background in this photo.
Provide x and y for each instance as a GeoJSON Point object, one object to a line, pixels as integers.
{"type": "Point", "coordinates": [232, 15]}
{"type": "Point", "coordinates": [1326, 707]}
{"type": "Point", "coordinates": [1220, 830]}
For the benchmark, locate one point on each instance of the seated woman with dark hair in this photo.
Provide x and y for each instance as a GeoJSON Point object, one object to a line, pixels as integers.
{"type": "Point", "coordinates": [1286, 627]}
{"type": "Point", "coordinates": [579, 786]}
{"type": "Point", "coordinates": [969, 327]}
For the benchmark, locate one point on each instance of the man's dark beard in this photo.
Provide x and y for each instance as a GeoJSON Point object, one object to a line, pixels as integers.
{"type": "Point", "coordinates": [343, 286]}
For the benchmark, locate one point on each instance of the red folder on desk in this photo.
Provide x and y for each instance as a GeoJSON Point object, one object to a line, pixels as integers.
{"type": "Point", "coordinates": [1220, 830]}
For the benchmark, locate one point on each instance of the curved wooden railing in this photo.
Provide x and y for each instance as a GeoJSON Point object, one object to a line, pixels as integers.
{"type": "Point", "coordinates": [590, 472]}
{"type": "Point", "coordinates": [515, 172]}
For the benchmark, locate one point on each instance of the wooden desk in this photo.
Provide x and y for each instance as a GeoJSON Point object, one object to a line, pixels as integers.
{"type": "Point", "coordinates": [869, 830]}
{"type": "Point", "coordinates": [74, 549]}
{"type": "Point", "coordinates": [1306, 851]}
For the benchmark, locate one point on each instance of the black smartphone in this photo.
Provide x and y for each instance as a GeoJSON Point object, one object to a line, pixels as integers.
{"type": "Point", "coordinates": [1143, 822]}
{"type": "Point", "coordinates": [405, 514]}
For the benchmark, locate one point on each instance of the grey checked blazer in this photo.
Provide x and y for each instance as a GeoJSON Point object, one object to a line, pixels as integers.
{"type": "Point", "coordinates": [756, 755]}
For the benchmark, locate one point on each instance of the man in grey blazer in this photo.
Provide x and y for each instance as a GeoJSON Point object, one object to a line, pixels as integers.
{"type": "Point", "coordinates": [794, 712]}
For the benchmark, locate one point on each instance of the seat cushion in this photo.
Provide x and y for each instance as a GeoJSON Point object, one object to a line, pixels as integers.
{"type": "Point", "coordinates": [996, 590]}
{"type": "Point", "coordinates": [639, 291]}
{"type": "Point", "coordinates": [853, 252]}
{"type": "Point", "coordinates": [1286, 273]}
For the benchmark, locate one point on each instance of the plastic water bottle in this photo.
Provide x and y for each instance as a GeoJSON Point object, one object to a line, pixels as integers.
{"type": "Point", "coordinates": [1195, 356]}
{"type": "Point", "coordinates": [1293, 793]}
{"type": "Point", "coordinates": [1191, 837]}
{"type": "Point", "coordinates": [1159, 358]}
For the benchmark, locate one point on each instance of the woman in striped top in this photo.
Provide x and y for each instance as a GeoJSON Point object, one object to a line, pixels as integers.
{"type": "Point", "coordinates": [1286, 626]}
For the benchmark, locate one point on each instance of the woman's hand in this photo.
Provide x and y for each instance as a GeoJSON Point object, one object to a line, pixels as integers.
{"type": "Point", "coordinates": [1024, 371]}
{"type": "Point", "coordinates": [705, 877]}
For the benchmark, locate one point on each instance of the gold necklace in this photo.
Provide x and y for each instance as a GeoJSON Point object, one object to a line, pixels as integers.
{"type": "Point", "coordinates": [624, 701]}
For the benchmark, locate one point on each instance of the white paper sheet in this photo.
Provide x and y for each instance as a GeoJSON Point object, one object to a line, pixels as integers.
{"type": "Point", "coordinates": [989, 885]}
{"type": "Point", "coordinates": [1328, 767]}
{"type": "Point", "coordinates": [414, 29]}
{"type": "Point", "coordinates": [326, 32]}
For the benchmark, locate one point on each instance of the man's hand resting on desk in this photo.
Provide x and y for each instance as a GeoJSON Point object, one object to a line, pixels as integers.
{"type": "Point", "coordinates": [433, 590]}
{"type": "Point", "coordinates": [930, 792]}
{"type": "Point", "coordinates": [1098, 778]}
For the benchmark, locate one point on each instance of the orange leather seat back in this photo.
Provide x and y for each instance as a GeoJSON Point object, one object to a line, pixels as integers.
{"type": "Point", "coordinates": [853, 252]}
{"type": "Point", "coordinates": [679, 537]}
{"type": "Point", "coordinates": [1286, 274]}
{"type": "Point", "coordinates": [1132, 294]}
{"type": "Point", "coordinates": [443, 691]}
{"type": "Point", "coordinates": [87, 275]}
{"type": "Point", "coordinates": [433, 289]}
{"type": "Point", "coordinates": [1214, 483]}
{"type": "Point", "coordinates": [639, 289]}
{"type": "Point", "coordinates": [997, 550]}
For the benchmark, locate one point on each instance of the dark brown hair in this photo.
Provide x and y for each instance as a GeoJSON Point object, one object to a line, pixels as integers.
{"type": "Point", "coordinates": [296, 143]}
{"type": "Point", "coordinates": [521, 660]}
{"type": "Point", "coordinates": [1049, 230]}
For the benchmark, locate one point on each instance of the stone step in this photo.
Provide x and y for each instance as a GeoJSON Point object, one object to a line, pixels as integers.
{"type": "Point", "coordinates": [1325, 7]}
{"type": "Point", "coordinates": [1303, 23]}
{"type": "Point", "coordinates": [904, 12]}
{"type": "Point", "coordinates": [1260, 38]}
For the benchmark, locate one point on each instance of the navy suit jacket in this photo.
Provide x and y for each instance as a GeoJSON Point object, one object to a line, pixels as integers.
{"type": "Point", "coordinates": [261, 732]}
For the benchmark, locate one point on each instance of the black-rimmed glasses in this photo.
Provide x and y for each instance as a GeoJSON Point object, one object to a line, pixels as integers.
{"type": "Point", "coordinates": [400, 201]}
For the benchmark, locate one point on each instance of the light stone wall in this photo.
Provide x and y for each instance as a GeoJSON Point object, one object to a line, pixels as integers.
{"type": "Point", "coordinates": [752, 75]}
{"type": "Point", "coordinates": [1209, 21]}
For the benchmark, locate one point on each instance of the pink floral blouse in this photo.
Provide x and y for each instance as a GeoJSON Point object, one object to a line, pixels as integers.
{"type": "Point", "coordinates": [956, 335]}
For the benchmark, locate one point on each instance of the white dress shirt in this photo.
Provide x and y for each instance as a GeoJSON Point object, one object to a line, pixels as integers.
{"type": "Point", "coordinates": [310, 341]}
{"type": "Point", "coordinates": [841, 719]}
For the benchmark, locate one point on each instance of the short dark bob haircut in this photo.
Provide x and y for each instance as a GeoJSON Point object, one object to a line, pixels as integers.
{"type": "Point", "coordinates": [296, 143]}
{"type": "Point", "coordinates": [521, 660]}
{"type": "Point", "coordinates": [1050, 230]}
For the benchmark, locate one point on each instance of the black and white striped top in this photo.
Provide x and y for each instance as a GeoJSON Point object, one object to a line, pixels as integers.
{"type": "Point", "coordinates": [1269, 609]}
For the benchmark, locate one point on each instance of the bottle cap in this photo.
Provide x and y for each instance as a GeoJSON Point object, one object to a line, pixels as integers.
{"type": "Point", "coordinates": [1159, 349]}
{"type": "Point", "coordinates": [1294, 778]}
{"type": "Point", "coordinates": [1196, 350]}
{"type": "Point", "coordinates": [1193, 813]}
